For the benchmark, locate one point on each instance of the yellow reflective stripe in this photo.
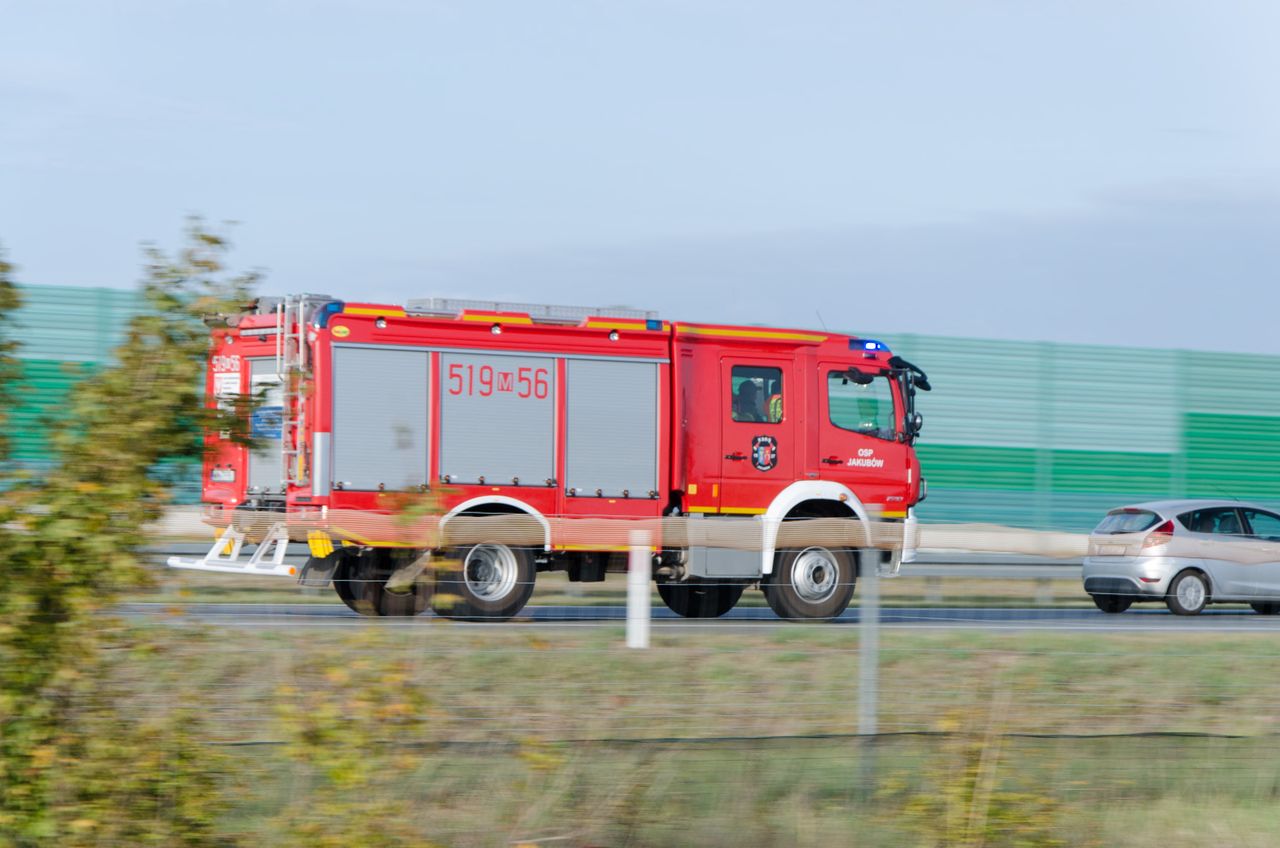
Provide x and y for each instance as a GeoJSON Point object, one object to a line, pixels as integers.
{"type": "Point", "coordinates": [501, 319]}
{"type": "Point", "coordinates": [737, 333]}
{"type": "Point", "coordinates": [365, 310]}
{"type": "Point", "coordinates": [728, 510]}
{"type": "Point", "coordinates": [612, 324]}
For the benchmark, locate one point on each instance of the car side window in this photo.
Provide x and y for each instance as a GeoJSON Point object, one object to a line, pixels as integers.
{"type": "Point", "coordinates": [1224, 521]}
{"type": "Point", "coordinates": [1265, 525]}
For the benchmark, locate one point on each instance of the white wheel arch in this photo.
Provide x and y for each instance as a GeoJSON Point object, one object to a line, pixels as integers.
{"type": "Point", "coordinates": [485, 500]}
{"type": "Point", "coordinates": [794, 495]}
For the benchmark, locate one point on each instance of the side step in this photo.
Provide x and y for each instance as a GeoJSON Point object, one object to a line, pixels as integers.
{"type": "Point", "coordinates": [224, 556]}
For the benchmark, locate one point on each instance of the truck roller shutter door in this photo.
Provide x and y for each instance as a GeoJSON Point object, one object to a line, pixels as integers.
{"type": "Point", "coordinates": [266, 465]}
{"type": "Point", "coordinates": [497, 418]}
{"type": "Point", "coordinates": [379, 418]}
{"type": "Point", "coordinates": [612, 418]}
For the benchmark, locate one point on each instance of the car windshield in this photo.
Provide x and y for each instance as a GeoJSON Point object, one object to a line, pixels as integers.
{"type": "Point", "coordinates": [1127, 521]}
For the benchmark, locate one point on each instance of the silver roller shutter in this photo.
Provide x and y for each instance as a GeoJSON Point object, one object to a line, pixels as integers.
{"type": "Point", "coordinates": [266, 464]}
{"type": "Point", "coordinates": [497, 418]}
{"type": "Point", "coordinates": [380, 418]}
{"type": "Point", "coordinates": [612, 419]}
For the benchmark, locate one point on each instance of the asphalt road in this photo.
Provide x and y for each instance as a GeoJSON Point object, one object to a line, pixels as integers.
{"type": "Point", "coordinates": [1234, 619]}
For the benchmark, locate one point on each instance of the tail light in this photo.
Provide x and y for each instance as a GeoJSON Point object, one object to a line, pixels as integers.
{"type": "Point", "coordinates": [1159, 536]}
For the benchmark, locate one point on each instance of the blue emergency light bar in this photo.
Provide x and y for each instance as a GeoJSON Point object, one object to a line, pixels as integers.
{"type": "Point", "coordinates": [867, 345]}
{"type": "Point", "coordinates": [324, 313]}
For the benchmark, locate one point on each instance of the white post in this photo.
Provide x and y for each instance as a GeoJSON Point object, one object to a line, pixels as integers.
{"type": "Point", "coordinates": [868, 665]}
{"type": "Point", "coordinates": [869, 641]}
{"type": "Point", "coordinates": [639, 567]}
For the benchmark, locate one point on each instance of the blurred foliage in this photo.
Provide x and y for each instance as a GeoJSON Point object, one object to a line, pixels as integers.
{"type": "Point", "coordinates": [10, 300]}
{"type": "Point", "coordinates": [355, 730]}
{"type": "Point", "coordinates": [131, 770]}
{"type": "Point", "coordinates": [70, 540]}
{"type": "Point", "coordinates": [969, 795]}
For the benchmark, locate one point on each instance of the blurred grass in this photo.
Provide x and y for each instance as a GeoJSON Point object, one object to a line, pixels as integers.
{"type": "Point", "coordinates": [440, 733]}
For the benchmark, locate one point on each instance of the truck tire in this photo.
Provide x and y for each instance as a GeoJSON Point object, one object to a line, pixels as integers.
{"type": "Point", "coordinates": [485, 582]}
{"type": "Point", "coordinates": [360, 581]}
{"type": "Point", "coordinates": [697, 599]}
{"type": "Point", "coordinates": [813, 583]}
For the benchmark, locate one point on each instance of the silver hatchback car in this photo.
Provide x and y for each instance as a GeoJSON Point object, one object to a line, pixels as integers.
{"type": "Point", "coordinates": [1187, 553]}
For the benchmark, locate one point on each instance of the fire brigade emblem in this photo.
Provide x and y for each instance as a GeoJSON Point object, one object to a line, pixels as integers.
{"type": "Point", "coordinates": [764, 452]}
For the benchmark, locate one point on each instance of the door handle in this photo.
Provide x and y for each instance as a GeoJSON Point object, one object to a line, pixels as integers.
{"type": "Point", "coordinates": [736, 457]}
{"type": "Point", "coordinates": [832, 460]}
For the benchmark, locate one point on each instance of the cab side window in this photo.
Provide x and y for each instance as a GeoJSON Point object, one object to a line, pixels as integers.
{"type": "Point", "coordinates": [755, 394]}
{"type": "Point", "coordinates": [1264, 525]}
{"type": "Point", "coordinates": [1221, 520]}
{"type": "Point", "coordinates": [862, 408]}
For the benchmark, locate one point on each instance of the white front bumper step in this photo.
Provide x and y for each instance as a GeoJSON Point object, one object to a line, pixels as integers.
{"type": "Point", "coordinates": [224, 557]}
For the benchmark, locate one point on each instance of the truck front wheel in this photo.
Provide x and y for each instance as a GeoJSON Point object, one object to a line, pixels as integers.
{"type": "Point", "coordinates": [694, 599]}
{"type": "Point", "coordinates": [485, 582]}
{"type": "Point", "coordinates": [810, 583]}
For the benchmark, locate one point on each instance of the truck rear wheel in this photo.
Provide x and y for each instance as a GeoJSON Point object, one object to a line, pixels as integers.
{"type": "Point", "coordinates": [485, 582]}
{"type": "Point", "coordinates": [699, 599]}
{"type": "Point", "coordinates": [360, 581]}
{"type": "Point", "coordinates": [814, 583]}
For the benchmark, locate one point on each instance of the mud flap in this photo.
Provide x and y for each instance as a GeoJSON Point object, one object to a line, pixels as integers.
{"type": "Point", "coordinates": [318, 571]}
{"type": "Point", "coordinates": [402, 579]}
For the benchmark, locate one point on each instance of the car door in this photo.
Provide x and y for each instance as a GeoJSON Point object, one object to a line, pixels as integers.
{"type": "Point", "coordinates": [1263, 529]}
{"type": "Point", "coordinates": [1222, 546]}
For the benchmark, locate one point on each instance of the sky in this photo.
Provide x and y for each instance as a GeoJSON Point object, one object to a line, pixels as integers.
{"type": "Point", "coordinates": [1062, 170]}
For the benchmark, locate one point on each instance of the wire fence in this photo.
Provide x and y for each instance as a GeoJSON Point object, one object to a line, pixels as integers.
{"type": "Point", "coordinates": [744, 733]}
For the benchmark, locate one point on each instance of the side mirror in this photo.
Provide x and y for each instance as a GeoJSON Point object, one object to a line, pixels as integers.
{"type": "Point", "coordinates": [915, 424]}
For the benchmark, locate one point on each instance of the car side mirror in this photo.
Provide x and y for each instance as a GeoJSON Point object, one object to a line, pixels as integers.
{"type": "Point", "coordinates": [915, 423]}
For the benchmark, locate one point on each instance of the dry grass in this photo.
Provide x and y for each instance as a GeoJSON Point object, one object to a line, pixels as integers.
{"type": "Point", "coordinates": [472, 735]}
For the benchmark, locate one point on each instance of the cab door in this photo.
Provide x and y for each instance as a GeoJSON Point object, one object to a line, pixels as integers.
{"type": "Point", "coordinates": [859, 434]}
{"type": "Point", "coordinates": [1264, 537]}
{"type": "Point", "coordinates": [758, 445]}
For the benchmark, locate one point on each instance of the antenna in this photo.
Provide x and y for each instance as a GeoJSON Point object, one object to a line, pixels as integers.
{"type": "Point", "coordinates": [818, 312]}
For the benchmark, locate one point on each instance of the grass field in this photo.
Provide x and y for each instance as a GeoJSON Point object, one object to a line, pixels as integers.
{"type": "Point", "coordinates": [451, 734]}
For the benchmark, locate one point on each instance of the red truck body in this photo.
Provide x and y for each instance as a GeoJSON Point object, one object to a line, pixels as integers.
{"type": "Point", "coordinates": [613, 414]}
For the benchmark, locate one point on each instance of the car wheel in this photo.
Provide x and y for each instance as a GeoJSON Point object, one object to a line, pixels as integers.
{"type": "Point", "coordinates": [810, 583]}
{"type": "Point", "coordinates": [1188, 594]}
{"type": "Point", "coordinates": [1266, 607]}
{"type": "Point", "coordinates": [693, 599]}
{"type": "Point", "coordinates": [1112, 603]}
{"type": "Point", "coordinates": [485, 582]}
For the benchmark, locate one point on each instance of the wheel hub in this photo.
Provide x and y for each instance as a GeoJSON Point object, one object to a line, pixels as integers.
{"type": "Point", "coordinates": [1191, 593]}
{"type": "Point", "coordinates": [490, 571]}
{"type": "Point", "coordinates": [814, 574]}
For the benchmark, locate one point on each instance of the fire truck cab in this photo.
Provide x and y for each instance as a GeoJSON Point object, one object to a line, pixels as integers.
{"type": "Point", "coordinates": [561, 427]}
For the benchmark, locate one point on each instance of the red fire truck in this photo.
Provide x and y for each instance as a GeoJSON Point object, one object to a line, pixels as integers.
{"type": "Point", "coordinates": [556, 418]}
